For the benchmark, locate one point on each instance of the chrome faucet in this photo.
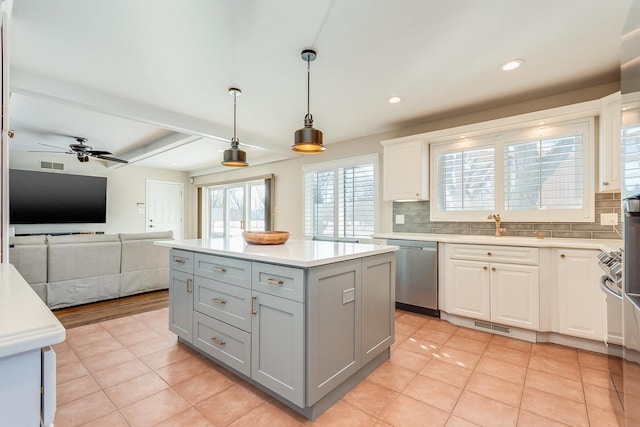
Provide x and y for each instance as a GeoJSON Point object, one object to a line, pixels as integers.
{"type": "Point", "coordinates": [499, 230]}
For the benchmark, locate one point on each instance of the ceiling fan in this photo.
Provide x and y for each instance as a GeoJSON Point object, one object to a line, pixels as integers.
{"type": "Point", "coordinates": [83, 151]}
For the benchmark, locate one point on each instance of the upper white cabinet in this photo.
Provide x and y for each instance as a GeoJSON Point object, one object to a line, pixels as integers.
{"type": "Point", "coordinates": [609, 178]}
{"type": "Point", "coordinates": [406, 170]}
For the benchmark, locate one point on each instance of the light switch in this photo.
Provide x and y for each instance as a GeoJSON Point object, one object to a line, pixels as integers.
{"type": "Point", "coordinates": [608, 219]}
{"type": "Point", "coordinates": [399, 219]}
{"type": "Point", "coordinates": [348, 295]}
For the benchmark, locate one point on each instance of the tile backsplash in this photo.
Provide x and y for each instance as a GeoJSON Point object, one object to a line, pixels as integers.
{"type": "Point", "coordinates": [417, 220]}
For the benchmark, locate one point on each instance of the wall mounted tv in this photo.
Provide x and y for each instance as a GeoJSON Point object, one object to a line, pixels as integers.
{"type": "Point", "coordinates": [56, 198]}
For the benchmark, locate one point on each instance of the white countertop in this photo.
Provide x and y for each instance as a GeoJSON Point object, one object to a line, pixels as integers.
{"type": "Point", "coordinates": [296, 253]}
{"type": "Point", "coordinates": [604, 244]}
{"type": "Point", "coordinates": [26, 323]}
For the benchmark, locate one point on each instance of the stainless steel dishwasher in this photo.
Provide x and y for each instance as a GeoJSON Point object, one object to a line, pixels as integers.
{"type": "Point", "coordinates": [417, 276]}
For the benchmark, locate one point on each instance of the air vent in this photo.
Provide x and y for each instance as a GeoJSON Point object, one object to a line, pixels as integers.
{"type": "Point", "coordinates": [52, 165]}
{"type": "Point", "coordinates": [492, 327]}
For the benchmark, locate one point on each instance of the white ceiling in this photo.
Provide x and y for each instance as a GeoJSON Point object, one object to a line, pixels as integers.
{"type": "Point", "coordinates": [148, 79]}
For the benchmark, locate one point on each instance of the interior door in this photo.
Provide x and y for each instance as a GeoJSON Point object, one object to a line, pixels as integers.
{"type": "Point", "coordinates": [164, 207]}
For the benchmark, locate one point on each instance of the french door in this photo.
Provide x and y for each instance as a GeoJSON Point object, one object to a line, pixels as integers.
{"type": "Point", "coordinates": [230, 209]}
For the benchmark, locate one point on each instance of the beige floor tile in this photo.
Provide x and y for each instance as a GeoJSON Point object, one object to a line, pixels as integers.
{"type": "Point", "coordinates": [98, 349]}
{"type": "Point", "coordinates": [595, 377]}
{"type": "Point", "coordinates": [70, 371]}
{"type": "Point", "coordinates": [495, 388]}
{"type": "Point", "coordinates": [598, 397]}
{"type": "Point", "coordinates": [167, 356]}
{"type": "Point", "coordinates": [113, 419]}
{"type": "Point", "coordinates": [510, 355]}
{"type": "Point", "coordinates": [394, 377]}
{"type": "Point", "coordinates": [80, 337]}
{"type": "Point", "coordinates": [512, 343]}
{"type": "Point", "coordinates": [81, 411]}
{"type": "Point", "coordinates": [399, 339]}
{"type": "Point", "coordinates": [554, 407]}
{"type": "Point", "coordinates": [65, 357]}
{"type": "Point", "coordinates": [343, 415]}
{"type": "Point", "coordinates": [466, 344]}
{"type": "Point", "coordinates": [603, 418]}
{"type": "Point", "coordinates": [408, 412]}
{"type": "Point", "coordinates": [227, 406]}
{"type": "Point", "coordinates": [129, 392]}
{"type": "Point", "coordinates": [447, 372]}
{"type": "Point", "coordinates": [75, 389]}
{"type": "Point", "coordinates": [370, 397]}
{"type": "Point", "coordinates": [155, 408]}
{"type": "Point", "coordinates": [593, 360]}
{"type": "Point", "coordinates": [417, 345]}
{"type": "Point", "coordinates": [561, 367]}
{"type": "Point", "coordinates": [555, 351]}
{"type": "Point", "coordinates": [484, 411]}
{"type": "Point", "coordinates": [503, 370]}
{"type": "Point", "coordinates": [183, 370]}
{"type": "Point", "coordinates": [121, 373]}
{"type": "Point", "coordinates": [203, 385]}
{"type": "Point", "coordinates": [457, 357]}
{"type": "Point", "coordinates": [408, 359]}
{"type": "Point", "coordinates": [267, 415]}
{"type": "Point", "coordinates": [529, 419]}
{"type": "Point", "coordinates": [474, 335]}
{"type": "Point", "coordinates": [189, 418]}
{"type": "Point", "coordinates": [554, 384]}
{"type": "Point", "coordinates": [137, 337]}
{"type": "Point", "coordinates": [152, 346]}
{"type": "Point", "coordinates": [109, 359]}
{"type": "Point", "coordinates": [443, 326]}
{"type": "Point", "coordinates": [432, 335]}
{"type": "Point", "coordinates": [459, 422]}
{"type": "Point", "coordinates": [433, 392]}
{"type": "Point", "coordinates": [122, 326]}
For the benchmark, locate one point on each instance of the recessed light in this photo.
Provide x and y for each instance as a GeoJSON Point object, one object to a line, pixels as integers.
{"type": "Point", "coordinates": [394, 99]}
{"type": "Point", "coordinates": [512, 64]}
{"type": "Point", "coordinates": [540, 123]}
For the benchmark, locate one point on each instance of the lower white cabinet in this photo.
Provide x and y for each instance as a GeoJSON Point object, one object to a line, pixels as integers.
{"type": "Point", "coordinates": [581, 303]}
{"type": "Point", "coordinates": [500, 292]}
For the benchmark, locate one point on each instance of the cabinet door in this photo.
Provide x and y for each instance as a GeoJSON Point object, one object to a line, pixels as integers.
{"type": "Point", "coordinates": [406, 171]}
{"type": "Point", "coordinates": [181, 304]}
{"type": "Point", "coordinates": [277, 346]}
{"type": "Point", "coordinates": [581, 302]}
{"type": "Point", "coordinates": [334, 332]}
{"type": "Point", "coordinates": [378, 290]}
{"type": "Point", "coordinates": [515, 297]}
{"type": "Point", "coordinates": [468, 289]}
{"type": "Point", "coordinates": [610, 151]}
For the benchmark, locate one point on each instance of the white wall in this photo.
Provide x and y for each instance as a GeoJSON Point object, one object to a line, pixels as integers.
{"type": "Point", "coordinates": [126, 186]}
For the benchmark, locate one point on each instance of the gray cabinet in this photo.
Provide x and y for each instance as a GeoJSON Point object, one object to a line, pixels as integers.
{"type": "Point", "coordinates": [181, 304]}
{"type": "Point", "coordinates": [378, 308]}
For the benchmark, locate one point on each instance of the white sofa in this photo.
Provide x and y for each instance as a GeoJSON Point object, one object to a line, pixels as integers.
{"type": "Point", "coordinates": [83, 268]}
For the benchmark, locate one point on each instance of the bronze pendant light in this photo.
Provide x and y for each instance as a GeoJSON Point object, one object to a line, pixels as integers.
{"type": "Point", "coordinates": [308, 140]}
{"type": "Point", "coordinates": [234, 157]}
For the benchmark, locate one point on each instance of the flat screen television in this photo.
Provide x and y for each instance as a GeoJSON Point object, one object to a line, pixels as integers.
{"type": "Point", "coordinates": [56, 198]}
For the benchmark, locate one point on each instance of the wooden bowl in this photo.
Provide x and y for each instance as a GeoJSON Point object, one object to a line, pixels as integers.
{"type": "Point", "coordinates": [265, 237]}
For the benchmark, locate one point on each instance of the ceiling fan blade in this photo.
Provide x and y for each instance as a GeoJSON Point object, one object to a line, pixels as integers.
{"type": "Point", "coordinates": [53, 146]}
{"type": "Point", "coordinates": [97, 152]}
{"type": "Point", "coordinates": [47, 151]}
{"type": "Point", "coordinates": [111, 159]}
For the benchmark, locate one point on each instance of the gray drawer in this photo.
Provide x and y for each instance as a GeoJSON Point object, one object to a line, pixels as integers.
{"type": "Point", "coordinates": [228, 303]}
{"type": "Point", "coordinates": [182, 261]}
{"type": "Point", "coordinates": [229, 270]}
{"type": "Point", "coordinates": [223, 342]}
{"type": "Point", "coordinates": [285, 282]}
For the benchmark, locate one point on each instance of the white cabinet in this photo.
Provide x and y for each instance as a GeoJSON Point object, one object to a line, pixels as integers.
{"type": "Point", "coordinates": [496, 284]}
{"type": "Point", "coordinates": [405, 170]}
{"type": "Point", "coordinates": [610, 152]}
{"type": "Point", "coordinates": [581, 302]}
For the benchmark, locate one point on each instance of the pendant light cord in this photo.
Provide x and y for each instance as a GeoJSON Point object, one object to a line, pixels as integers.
{"type": "Point", "coordinates": [234, 140]}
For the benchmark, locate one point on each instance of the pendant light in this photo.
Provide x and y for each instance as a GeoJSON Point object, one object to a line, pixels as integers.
{"type": "Point", "coordinates": [234, 157]}
{"type": "Point", "coordinates": [308, 140]}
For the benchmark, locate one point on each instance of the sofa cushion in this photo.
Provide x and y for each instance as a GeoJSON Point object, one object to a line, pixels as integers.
{"type": "Point", "coordinates": [30, 261]}
{"type": "Point", "coordinates": [155, 235]}
{"type": "Point", "coordinates": [39, 239]}
{"type": "Point", "coordinates": [70, 261]}
{"type": "Point", "coordinates": [82, 238]}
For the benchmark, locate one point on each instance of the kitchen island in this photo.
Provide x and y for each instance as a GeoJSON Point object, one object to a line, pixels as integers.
{"type": "Point", "coordinates": [304, 321]}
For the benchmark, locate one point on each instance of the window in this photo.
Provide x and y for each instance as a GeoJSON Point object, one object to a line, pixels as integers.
{"type": "Point", "coordinates": [228, 209]}
{"type": "Point", "coordinates": [340, 198]}
{"type": "Point", "coordinates": [534, 174]}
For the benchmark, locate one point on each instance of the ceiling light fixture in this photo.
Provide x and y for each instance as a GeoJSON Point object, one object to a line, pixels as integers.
{"type": "Point", "coordinates": [512, 64]}
{"type": "Point", "coordinates": [234, 157]}
{"type": "Point", "coordinates": [394, 99]}
{"type": "Point", "coordinates": [308, 140]}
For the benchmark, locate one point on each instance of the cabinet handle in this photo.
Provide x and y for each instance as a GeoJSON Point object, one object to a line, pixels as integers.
{"type": "Point", "coordinates": [485, 267]}
{"type": "Point", "coordinates": [217, 341]}
{"type": "Point", "coordinates": [605, 183]}
{"type": "Point", "coordinates": [562, 256]}
{"type": "Point", "coordinates": [189, 289]}
{"type": "Point", "coordinates": [275, 281]}
{"type": "Point", "coordinates": [253, 310]}
{"type": "Point", "coordinates": [219, 301]}
{"type": "Point", "coordinates": [488, 253]}
{"type": "Point", "coordinates": [493, 269]}
{"type": "Point", "coordinates": [179, 260]}
{"type": "Point", "coordinates": [219, 269]}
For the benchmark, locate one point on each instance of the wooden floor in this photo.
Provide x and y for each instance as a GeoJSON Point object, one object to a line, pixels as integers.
{"type": "Point", "coordinates": [105, 310]}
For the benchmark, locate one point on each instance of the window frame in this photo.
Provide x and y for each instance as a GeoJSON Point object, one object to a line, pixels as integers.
{"type": "Point", "coordinates": [335, 166]}
{"type": "Point", "coordinates": [507, 136]}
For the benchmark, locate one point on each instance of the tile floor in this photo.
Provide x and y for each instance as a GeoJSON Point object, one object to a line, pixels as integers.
{"type": "Point", "coordinates": [132, 372]}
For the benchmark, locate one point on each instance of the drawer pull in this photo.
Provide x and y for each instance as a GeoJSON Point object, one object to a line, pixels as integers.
{"type": "Point", "coordinates": [253, 310]}
{"type": "Point", "coordinates": [219, 269]}
{"type": "Point", "coordinates": [189, 288]}
{"type": "Point", "coordinates": [562, 256]}
{"type": "Point", "coordinates": [493, 269]}
{"type": "Point", "coordinates": [217, 341]}
{"type": "Point", "coordinates": [275, 282]}
{"type": "Point", "coordinates": [219, 301]}
{"type": "Point", "coordinates": [488, 253]}
{"type": "Point", "coordinates": [485, 267]}
{"type": "Point", "coordinates": [179, 260]}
